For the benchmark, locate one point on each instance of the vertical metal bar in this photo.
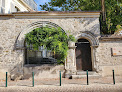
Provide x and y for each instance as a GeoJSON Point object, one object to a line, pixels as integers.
{"type": "Point", "coordinates": [33, 79]}
{"type": "Point", "coordinates": [113, 77]}
{"type": "Point", "coordinates": [6, 78]}
{"type": "Point", "coordinates": [87, 77]}
{"type": "Point", "coordinates": [60, 78]}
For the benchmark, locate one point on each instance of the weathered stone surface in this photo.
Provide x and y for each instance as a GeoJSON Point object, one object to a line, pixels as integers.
{"type": "Point", "coordinates": [104, 53]}
{"type": "Point", "coordinates": [107, 70]}
{"type": "Point", "coordinates": [43, 71]}
{"type": "Point", "coordinates": [105, 60]}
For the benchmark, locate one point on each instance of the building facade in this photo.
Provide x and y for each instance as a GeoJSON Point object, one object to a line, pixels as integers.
{"type": "Point", "coordinates": [93, 52]}
{"type": "Point", "coordinates": [9, 6]}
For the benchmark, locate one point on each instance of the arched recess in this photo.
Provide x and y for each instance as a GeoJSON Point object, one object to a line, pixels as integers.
{"type": "Point", "coordinates": [90, 37]}
{"type": "Point", "coordinates": [19, 44]}
{"type": "Point", "coordinates": [94, 43]}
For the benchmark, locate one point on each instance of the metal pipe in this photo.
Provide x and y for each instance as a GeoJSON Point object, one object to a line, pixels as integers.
{"type": "Point", "coordinates": [87, 77]}
{"type": "Point", "coordinates": [6, 78]}
{"type": "Point", "coordinates": [113, 77]}
{"type": "Point", "coordinates": [33, 79]}
{"type": "Point", "coordinates": [60, 78]}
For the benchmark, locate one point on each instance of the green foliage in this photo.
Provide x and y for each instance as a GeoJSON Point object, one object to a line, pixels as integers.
{"type": "Point", "coordinates": [52, 39]}
{"type": "Point", "coordinates": [113, 15]}
{"type": "Point", "coordinates": [113, 10]}
{"type": "Point", "coordinates": [72, 5]}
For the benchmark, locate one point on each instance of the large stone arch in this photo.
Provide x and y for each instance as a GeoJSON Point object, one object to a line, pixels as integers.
{"type": "Point", "coordinates": [19, 44]}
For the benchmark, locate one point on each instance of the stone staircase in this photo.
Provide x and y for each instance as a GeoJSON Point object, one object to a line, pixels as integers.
{"type": "Point", "coordinates": [82, 74]}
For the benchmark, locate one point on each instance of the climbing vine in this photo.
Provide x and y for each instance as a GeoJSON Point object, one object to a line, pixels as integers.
{"type": "Point", "coordinates": [51, 38]}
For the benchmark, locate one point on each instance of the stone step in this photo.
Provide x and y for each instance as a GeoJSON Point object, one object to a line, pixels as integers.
{"type": "Point", "coordinates": [85, 76]}
{"type": "Point", "coordinates": [84, 73]}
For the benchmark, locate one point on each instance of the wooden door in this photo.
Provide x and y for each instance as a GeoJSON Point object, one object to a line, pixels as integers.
{"type": "Point", "coordinates": [83, 56]}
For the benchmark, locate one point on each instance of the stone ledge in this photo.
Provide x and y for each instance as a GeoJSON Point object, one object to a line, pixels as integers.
{"type": "Point", "coordinates": [109, 38]}
{"type": "Point", "coordinates": [53, 14]}
{"type": "Point", "coordinates": [84, 76]}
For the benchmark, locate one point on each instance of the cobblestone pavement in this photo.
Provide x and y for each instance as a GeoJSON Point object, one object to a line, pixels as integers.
{"type": "Point", "coordinates": [68, 85]}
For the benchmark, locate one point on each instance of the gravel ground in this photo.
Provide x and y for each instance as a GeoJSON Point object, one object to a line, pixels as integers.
{"type": "Point", "coordinates": [65, 88]}
{"type": "Point", "coordinates": [68, 85]}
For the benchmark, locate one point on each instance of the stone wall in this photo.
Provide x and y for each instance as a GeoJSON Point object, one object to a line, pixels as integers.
{"type": "Point", "coordinates": [40, 71]}
{"type": "Point", "coordinates": [14, 26]}
{"type": "Point", "coordinates": [105, 60]}
{"type": "Point", "coordinates": [11, 28]}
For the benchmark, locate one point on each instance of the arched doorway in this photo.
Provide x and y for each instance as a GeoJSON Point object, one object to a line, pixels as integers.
{"type": "Point", "coordinates": [83, 55]}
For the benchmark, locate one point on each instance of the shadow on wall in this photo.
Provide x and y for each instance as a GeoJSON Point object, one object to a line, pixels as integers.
{"type": "Point", "coordinates": [16, 72]}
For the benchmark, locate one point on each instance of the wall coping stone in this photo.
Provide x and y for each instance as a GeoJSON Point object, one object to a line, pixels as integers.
{"type": "Point", "coordinates": [53, 14]}
{"type": "Point", "coordinates": [110, 37]}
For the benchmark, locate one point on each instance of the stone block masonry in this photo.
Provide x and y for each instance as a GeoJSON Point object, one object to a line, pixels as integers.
{"type": "Point", "coordinates": [13, 28]}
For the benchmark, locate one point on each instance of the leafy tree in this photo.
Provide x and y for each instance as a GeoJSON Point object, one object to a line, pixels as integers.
{"type": "Point", "coordinates": [113, 10]}
{"type": "Point", "coordinates": [52, 39]}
